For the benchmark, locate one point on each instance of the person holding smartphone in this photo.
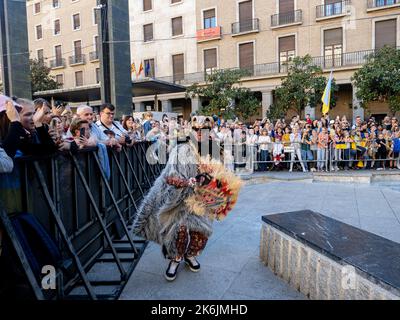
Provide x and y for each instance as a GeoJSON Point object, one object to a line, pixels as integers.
{"type": "Point", "coordinates": [81, 134]}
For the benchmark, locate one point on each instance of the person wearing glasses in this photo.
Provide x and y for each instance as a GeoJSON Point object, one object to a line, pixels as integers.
{"type": "Point", "coordinates": [106, 122]}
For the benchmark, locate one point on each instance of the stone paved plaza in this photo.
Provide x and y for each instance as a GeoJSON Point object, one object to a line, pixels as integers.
{"type": "Point", "coordinates": [231, 268]}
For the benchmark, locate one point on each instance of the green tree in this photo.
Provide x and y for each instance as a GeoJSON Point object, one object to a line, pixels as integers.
{"type": "Point", "coordinates": [221, 89]}
{"type": "Point", "coordinates": [40, 77]}
{"type": "Point", "coordinates": [379, 79]}
{"type": "Point", "coordinates": [303, 86]}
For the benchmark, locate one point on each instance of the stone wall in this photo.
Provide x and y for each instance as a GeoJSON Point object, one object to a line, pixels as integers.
{"type": "Point", "coordinates": [316, 275]}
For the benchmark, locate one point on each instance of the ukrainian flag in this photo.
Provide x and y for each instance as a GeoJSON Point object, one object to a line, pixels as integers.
{"type": "Point", "coordinates": [326, 98]}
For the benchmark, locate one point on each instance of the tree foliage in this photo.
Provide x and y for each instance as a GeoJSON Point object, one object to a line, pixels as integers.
{"type": "Point", "coordinates": [40, 77]}
{"type": "Point", "coordinates": [303, 86]}
{"type": "Point", "coordinates": [379, 79]}
{"type": "Point", "coordinates": [225, 95]}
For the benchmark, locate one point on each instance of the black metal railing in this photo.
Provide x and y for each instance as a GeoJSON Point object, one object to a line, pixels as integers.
{"type": "Point", "coordinates": [77, 59]}
{"type": "Point", "coordinates": [94, 55]}
{"type": "Point", "coordinates": [282, 19]}
{"type": "Point", "coordinates": [57, 63]}
{"type": "Point", "coordinates": [372, 4]}
{"type": "Point", "coordinates": [332, 9]}
{"type": "Point", "coordinates": [87, 214]}
{"type": "Point", "coordinates": [245, 26]}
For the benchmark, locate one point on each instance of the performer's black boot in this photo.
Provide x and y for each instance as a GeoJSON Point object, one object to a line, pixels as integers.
{"type": "Point", "coordinates": [172, 270]}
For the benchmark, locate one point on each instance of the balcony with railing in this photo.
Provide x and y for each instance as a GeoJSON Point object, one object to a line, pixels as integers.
{"type": "Point", "coordinates": [94, 56]}
{"type": "Point", "coordinates": [245, 27]}
{"type": "Point", "coordinates": [209, 34]}
{"type": "Point", "coordinates": [349, 60]}
{"type": "Point", "coordinates": [373, 5]}
{"type": "Point", "coordinates": [77, 59]}
{"type": "Point", "coordinates": [57, 63]}
{"type": "Point", "coordinates": [332, 10]}
{"type": "Point", "coordinates": [286, 19]}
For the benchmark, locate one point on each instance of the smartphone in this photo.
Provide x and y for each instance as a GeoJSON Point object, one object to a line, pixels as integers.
{"type": "Point", "coordinates": [82, 132]}
{"type": "Point", "coordinates": [53, 123]}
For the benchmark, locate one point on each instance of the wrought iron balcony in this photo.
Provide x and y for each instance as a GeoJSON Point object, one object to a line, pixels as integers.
{"type": "Point", "coordinates": [332, 9]}
{"type": "Point", "coordinates": [382, 4]}
{"type": "Point", "coordinates": [57, 63]}
{"type": "Point", "coordinates": [77, 59]}
{"type": "Point", "coordinates": [349, 60]}
{"type": "Point", "coordinates": [94, 56]}
{"type": "Point", "coordinates": [287, 18]}
{"type": "Point", "coordinates": [245, 26]}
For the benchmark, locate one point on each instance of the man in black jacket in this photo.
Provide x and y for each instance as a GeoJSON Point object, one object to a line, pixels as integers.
{"type": "Point", "coordinates": [27, 132]}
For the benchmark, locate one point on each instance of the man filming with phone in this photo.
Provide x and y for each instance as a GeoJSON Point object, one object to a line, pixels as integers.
{"type": "Point", "coordinates": [81, 134]}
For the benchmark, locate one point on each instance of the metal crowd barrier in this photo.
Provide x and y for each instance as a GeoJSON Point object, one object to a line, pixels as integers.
{"type": "Point", "coordinates": [88, 215]}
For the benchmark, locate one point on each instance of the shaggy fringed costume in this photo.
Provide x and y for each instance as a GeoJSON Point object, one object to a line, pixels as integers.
{"type": "Point", "coordinates": [164, 216]}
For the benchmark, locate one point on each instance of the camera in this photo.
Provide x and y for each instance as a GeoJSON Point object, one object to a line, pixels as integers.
{"type": "Point", "coordinates": [128, 139]}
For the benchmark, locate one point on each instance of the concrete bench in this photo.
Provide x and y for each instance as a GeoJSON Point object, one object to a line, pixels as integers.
{"type": "Point", "coordinates": [326, 259]}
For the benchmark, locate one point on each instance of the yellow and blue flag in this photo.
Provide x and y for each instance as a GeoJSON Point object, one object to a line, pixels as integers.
{"type": "Point", "coordinates": [326, 98]}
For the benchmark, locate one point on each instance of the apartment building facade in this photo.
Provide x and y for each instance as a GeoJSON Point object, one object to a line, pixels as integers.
{"type": "Point", "coordinates": [63, 35]}
{"type": "Point", "coordinates": [262, 36]}
{"type": "Point", "coordinates": [163, 41]}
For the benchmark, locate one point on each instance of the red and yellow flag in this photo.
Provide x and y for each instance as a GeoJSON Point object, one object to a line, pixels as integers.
{"type": "Point", "coordinates": [140, 69]}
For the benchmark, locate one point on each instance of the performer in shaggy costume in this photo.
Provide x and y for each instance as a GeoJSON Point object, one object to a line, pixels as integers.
{"type": "Point", "coordinates": [190, 193]}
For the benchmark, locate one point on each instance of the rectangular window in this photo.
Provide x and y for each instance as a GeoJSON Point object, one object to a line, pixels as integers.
{"type": "Point", "coordinates": [210, 59]}
{"type": "Point", "coordinates": [96, 13]}
{"type": "Point", "coordinates": [37, 8]}
{"type": "Point", "coordinates": [79, 78]}
{"type": "Point", "coordinates": [176, 1]}
{"type": "Point", "coordinates": [333, 47]}
{"type": "Point", "coordinates": [98, 75]}
{"type": "Point", "coordinates": [149, 68]}
{"type": "Point", "coordinates": [56, 4]}
{"type": "Point", "coordinates": [178, 67]}
{"type": "Point", "coordinates": [147, 5]}
{"type": "Point", "coordinates": [177, 28]}
{"type": "Point", "coordinates": [287, 51]}
{"type": "Point", "coordinates": [246, 16]}
{"type": "Point", "coordinates": [246, 56]}
{"type": "Point", "coordinates": [58, 53]}
{"type": "Point", "coordinates": [78, 50]}
{"type": "Point", "coordinates": [39, 32]}
{"type": "Point", "coordinates": [210, 20]}
{"type": "Point", "coordinates": [385, 33]}
{"type": "Point", "coordinates": [76, 21]}
{"type": "Point", "coordinates": [148, 32]}
{"type": "Point", "coordinates": [60, 80]}
{"type": "Point", "coordinates": [333, 7]}
{"type": "Point", "coordinates": [57, 27]}
{"type": "Point", "coordinates": [96, 44]}
{"type": "Point", "coordinates": [40, 56]}
{"type": "Point", "coordinates": [286, 6]}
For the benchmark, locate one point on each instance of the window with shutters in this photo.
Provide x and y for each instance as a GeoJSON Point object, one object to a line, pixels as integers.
{"type": "Point", "coordinates": [286, 12]}
{"type": "Point", "coordinates": [96, 15]}
{"type": "Point", "coordinates": [36, 8]}
{"type": "Point", "coordinates": [149, 70]}
{"type": "Point", "coordinates": [60, 80]}
{"type": "Point", "coordinates": [98, 75]}
{"type": "Point", "coordinates": [246, 56]}
{"type": "Point", "coordinates": [178, 67]}
{"type": "Point", "coordinates": [210, 60]}
{"type": "Point", "coordinates": [78, 50]}
{"type": "Point", "coordinates": [79, 78]}
{"type": "Point", "coordinates": [245, 16]}
{"type": "Point", "coordinates": [58, 54]}
{"type": "Point", "coordinates": [39, 32]}
{"type": "Point", "coordinates": [147, 5]}
{"type": "Point", "coordinates": [209, 19]}
{"type": "Point", "coordinates": [177, 28]}
{"type": "Point", "coordinates": [57, 27]}
{"type": "Point", "coordinates": [148, 32]}
{"type": "Point", "coordinates": [385, 33]}
{"type": "Point", "coordinates": [40, 56]}
{"type": "Point", "coordinates": [287, 51]}
{"type": "Point", "coordinates": [76, 21]}
{"type": "Point", "coordinates": [333, 47]}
